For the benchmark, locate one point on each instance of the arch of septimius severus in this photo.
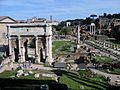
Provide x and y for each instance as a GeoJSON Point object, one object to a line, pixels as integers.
{"type": "Point", "coordinates": [20, 36]}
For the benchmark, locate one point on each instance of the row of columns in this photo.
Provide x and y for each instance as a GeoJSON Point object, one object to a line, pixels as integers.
{"type": "Point", "coordinates": [48, 47]}
{"type": "Point", "coordinates": [92, 29]}
{"type": "Point", "coordinates": [21, 50]}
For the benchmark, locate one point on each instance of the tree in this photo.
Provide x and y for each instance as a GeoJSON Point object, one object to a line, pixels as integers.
{"type": "Point", "coordinates": [93, 16]}
{"type": "Point", "coordinates": [116, 32]}
{"type": "Point", "coordinates": [105, 14]}
{"type": "Point", "coordinates": [109, 16]}
{"type": "Point", "coordinates": [65, 30]}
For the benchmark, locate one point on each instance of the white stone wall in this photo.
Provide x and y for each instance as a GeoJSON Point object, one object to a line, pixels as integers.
{"type": "Point", "coordinates": [27, 30]}
{"type": "Point", "coordinates": [3, 33]}
{"type": "Point", "coordinates": [8, 20]}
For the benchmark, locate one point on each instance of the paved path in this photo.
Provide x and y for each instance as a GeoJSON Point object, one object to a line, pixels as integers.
{"type": "Point", "coordinates": [34, 66]}
{"type": "Point", "coordinates": [113, 76]}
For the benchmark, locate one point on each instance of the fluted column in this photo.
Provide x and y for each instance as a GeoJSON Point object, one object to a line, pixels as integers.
{"type": "Point", "coordinates": [37, 57]}
{"type": "Point", "coordinates": [9, 40]}
{"type": "Point", "coordinates": [46, 51]}
{"type": "Point", "coordinates": [10, 47]}
{"type": "Point", "coordinates": [23, 54]}
{"type": "Point", "coordinates": [19, 49]}
{"type": "Point", "coordinates": [49, 44]}
{"type": "Point", "coordinates": [50, 49]}
{"type": "Point", "coordinates": [94, 30]}
{"type": "Point", "coordinates": [90, 30]}
{"type": "Point", "coordinates": [78, 37]}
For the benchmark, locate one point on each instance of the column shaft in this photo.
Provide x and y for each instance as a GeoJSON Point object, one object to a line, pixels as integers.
{"type": "Point", "coordinates": [37, 54]}
{"type": "Point", "coordinates": [9, 44]}
{"type": "Point", "coordinates": [48, 52]}
{"type": "Point", "coordinates": [19, 49]}
{"type": "Point", "coordinates": [78, 37]}
{"type": "Point", "coordinates": [50, 49]}
{"type": "Point", "coordinates": [90, 29]}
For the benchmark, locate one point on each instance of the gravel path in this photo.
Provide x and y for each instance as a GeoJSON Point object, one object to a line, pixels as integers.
{"type": "Point", "coordinates": [112, 76]}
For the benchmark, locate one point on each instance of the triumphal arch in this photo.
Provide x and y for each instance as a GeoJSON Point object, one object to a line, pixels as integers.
{"type": "Point", "coordinates": [30, 41]}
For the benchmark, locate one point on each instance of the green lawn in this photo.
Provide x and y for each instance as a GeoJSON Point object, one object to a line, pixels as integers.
{"type": "Point", "coordinates": [116, 71]}
{"type": "Point", "coordinates": [62, 46]}
{"type": "Point", "coordinates": [7, 74]}
{"type": "Point", "coordinates": [74, 81]}
{"type": "Point", "coordinates": [73, 85]}
{"type": "Point", "coordinates": [103, 59]}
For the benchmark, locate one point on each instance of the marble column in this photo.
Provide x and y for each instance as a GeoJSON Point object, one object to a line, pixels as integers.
{"type": "Point", "coordinates": [48, 52]}
{"type": "Point", "coordinates": [78, 37]}
{"type": "Point", "coordinates": [23, 54]}
{"type": "Point", "coordinates": [19, 49]}
{"type": "Point", "coordinates": [94, 29]}
{"type": "Point", "coordinates": [10, 47]}
{"type": "Point", "coordinates": [37, 56]}
{"type": "Point", "coordinates": [11, 52]}
{"type": "Point", "coordinates": [90, 30]}
{"type": "Point", "coordinates": [50, 48]}
{"type": "Point", "coordinates": [9, 40]}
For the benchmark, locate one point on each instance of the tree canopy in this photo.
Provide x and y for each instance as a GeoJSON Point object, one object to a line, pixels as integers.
{"type": "Point", "coordinates": [116, 32]}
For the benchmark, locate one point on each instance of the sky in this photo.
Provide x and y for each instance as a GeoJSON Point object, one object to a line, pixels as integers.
{"type": "Point", "coordinates": [59, 9]}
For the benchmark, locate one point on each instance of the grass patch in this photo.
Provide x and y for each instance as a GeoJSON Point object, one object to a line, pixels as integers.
{"type": "Point", "coordinates": [75, 80]}
{"type": "Point", "coordinates": [116, 71]}
{"type": "Point", "coordinates": [7, 74]}
{"type": "Point", "coordinates": [103, 59]}
{"type": "Point", "coordinates": [62, 46]}
{"type": "Point", "coordinates": [73, 85]}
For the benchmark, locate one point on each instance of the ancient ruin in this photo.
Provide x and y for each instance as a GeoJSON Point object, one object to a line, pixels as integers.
{"type": "Point", "coordinates": [30, 42]}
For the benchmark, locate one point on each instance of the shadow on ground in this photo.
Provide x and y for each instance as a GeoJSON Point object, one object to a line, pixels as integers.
{"type": "Point", "coordinates": [25, 84]}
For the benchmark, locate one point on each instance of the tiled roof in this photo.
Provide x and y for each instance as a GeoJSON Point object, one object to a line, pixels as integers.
{"type": "Point", "coordinates": [4, 17]}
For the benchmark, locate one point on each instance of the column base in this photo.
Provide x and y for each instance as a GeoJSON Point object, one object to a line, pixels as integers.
{"type": "Point", "coordinates": [49, 62]}
{"type": "Point", "coordinates": [20, 59]}
{"type": "Point", "coordinates": [78, 46]}
{"type": "Point", "coordinates": [37, 60]}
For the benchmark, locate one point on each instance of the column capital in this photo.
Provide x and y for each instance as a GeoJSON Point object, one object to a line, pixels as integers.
{"type": "Point", "coordinates": [19, 37]}
{"type": "Point", "coordinates": [9, 38]}
{"type": "Point", "coordinates": [36, 37]}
